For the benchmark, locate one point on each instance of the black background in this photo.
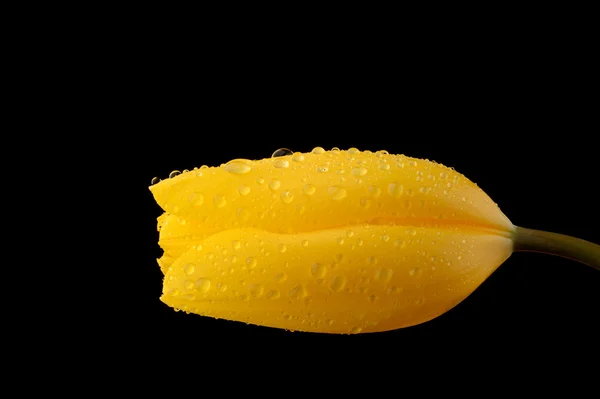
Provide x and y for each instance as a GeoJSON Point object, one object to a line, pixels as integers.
{"type": "Point", "coordinates": [519, 121]}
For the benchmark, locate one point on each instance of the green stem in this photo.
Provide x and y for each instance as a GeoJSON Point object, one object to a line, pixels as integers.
{"type": "Point", "coordinates": [557, 244]}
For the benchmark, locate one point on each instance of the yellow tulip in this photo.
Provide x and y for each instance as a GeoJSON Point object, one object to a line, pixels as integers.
{"type": "Point", "coordinates": [334, 241]}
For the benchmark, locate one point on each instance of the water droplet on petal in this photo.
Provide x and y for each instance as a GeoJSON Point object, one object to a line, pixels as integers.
{"type": "Point", "coordinates": [384, 275]}
{"type": "Point", "coordinates": [174, 174]}
{"type": "Point", "coordinates": [281, 152]}
{"type": "Point", "coordinates": [287, 197]}
{"type": "Point", "coordinates": [411, 232]}
{"type": "Point", "coordinates": [196, 199]}
{"type": "Point", "coordinates": [273, 294]}
{"type": "Point", "coordinates": [353, 151]}
{"type": "Point", "coordinates": [322, 169]}
{"type": "Point", "coordinates": [219, 201]}
{"type": "Point", "coordinates": [396, 189]}
{"type": "Point", "coordinates": [280, 277]}
{"type": "Point", "coordinates": [355, 330]}
{"type": "Point", "coordinates": [318, 150]}
{"type": "Point", "coordinates": [202, 285]}
{"type": "Point", "coordinates": [298, 157]}
{"type": "Point", "coordinates": [337, 193]}
{"type": "Point", "coordinates": [360, 171]}
{"type": "Point", "coordinates": [384, 166]}
{"type": "Point", "coordinates": [155, 180]}
{"type": "Point", "coordinates": [244, 190]}
{"type": "Point", "coordinates": [318, 270]}
{"type": "Point", "coordinates": [374, 191]}
{"type": "Point", "coordinates": [338, 283]}
{"type": "Point", "coordinates": [256, 290]}
{"type": "Point", "coordinates": [297, 292]}
{"type": "Point", "coordinates": [251, 262]}
{"type": "Point", "coordinates": [274, 184]}
{"type": "Point", "coordinates": [309, 189]}
{"type": "Point", "coordinates": [238, 166]}
{"type": "Point", "coordinates": [281, 163]}
{"type": "Point", "coordinates": [189, 269]}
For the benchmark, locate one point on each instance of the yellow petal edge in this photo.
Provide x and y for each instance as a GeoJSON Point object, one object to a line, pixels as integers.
{"type": "Point", "coordinates": [327, 241]}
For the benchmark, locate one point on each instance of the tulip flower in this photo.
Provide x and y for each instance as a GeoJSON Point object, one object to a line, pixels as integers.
{"type": "Point", "coordinates": [334, 241]}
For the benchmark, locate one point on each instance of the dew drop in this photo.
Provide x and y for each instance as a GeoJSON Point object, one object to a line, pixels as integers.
{"type": "Point", "coordinates": [355, 330]}
{"type": "Point", "coordinates": [189, 269]}
{"type": "Point", "coordinates": [281, 152]}
{"type": "Point", "coordinates": [384, 275]}
{"type": "Point", "coordinates": [415, 272]}
{"type": "Point", "coordinates": [189, 285]}
{"type": "Point", "coordinates": [197, 199]}
{"type": "Point", "coordinates": [273, 294]}
{"type": "Point", "coordinates": [385, 238]}
{"type": "Point", "coordinates": [395, 189]}
{"type": "Point", "coordinates": [281, 163]}
{"type": "Point", "coordinates": [318, 150]}
{"type": "Point", "coordinates": [338, 283]}
{"type": "Point", "coordinates": [322, 169]}
{"type": "Point", "coordinates": [412, 163]}
{"type": "Point", "coordinates": [298, 157]}
{"type": "Point", "coordinates": [411, 232]}
{"type": "Point", "coordinates": [243, 189]}
{"type": "Point", "coordinates": [374, 191]}
{"type": "Point", "coordinates": [366, 203]}
{"type": "Point", "coordinates": [155, 180]}
{"type": "Point", "coordinates": [236, 244]}
{"type": "Point", "coordinates": [340, 240]}
{"type": "Point", "coordinates": [280, 277]}
{"type": "Point", "coordinates": [337, 193]}
{"type": "Point", "coordinates": [459, 257]}
{"type": "Point", "coordinates": [287, 197]}
{"type": "Point", "coordinates": [202, 285]}
{"type": "Point", "coordinates": [349, 233]}
{"type": "Point", "coordinates": [353, 151]}
{"type": "Point", "coordinates": [399, 243]}
{"type": "Point", "coordinates": [174, 174]}
{"type": "Point", "coordinates": [372, 298]}
{"type": "Point", "coordinates": [242, 214]}
{"type": "Point", "coordinates": [305, 243]}
{"type": "Point", "coordinates": [297, 292]}
{"type": "Point", "coordinates": [274, 184]}
{"type": "Point", "coordinates": [256, 290]}
{"type": "Point", "coordinates": [260, 180]}
{"type": "Point", "coordinates": [238, 167]}
{"type": "Point", "coordinates": [309, 189]}
{"type": "Point", "coordinates": [282, 248]}
{"type": "Point", "coordinates": [384, 166]}
{"type": "Point", "coordinates": [318, 270]}
{"type": "Point", "coordinates": [219, 201]}
{"type": "Point", "coordinates": [251, 262]}
{"type": "Point", "coordinates": [360, 171]}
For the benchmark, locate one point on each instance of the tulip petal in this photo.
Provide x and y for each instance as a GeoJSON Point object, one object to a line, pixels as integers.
{"type": "Point", "coordinates": [360, 278]}
{"type": "Point", "coordinates": [307, 192]}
